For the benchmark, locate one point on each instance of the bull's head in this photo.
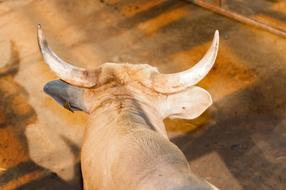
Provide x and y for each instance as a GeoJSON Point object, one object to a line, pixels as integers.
{"type": "Point", "coordinates": [171, 95]}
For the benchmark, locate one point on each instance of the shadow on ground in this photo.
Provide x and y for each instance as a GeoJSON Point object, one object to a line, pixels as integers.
{"type": "Point", "coordinates": [20, 172]}
{"type": "Point", "coordinates": [249, 134]}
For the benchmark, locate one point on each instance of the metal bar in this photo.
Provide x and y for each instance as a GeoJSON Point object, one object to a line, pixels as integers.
{"type": "Point", "coordinates": [238, 17]}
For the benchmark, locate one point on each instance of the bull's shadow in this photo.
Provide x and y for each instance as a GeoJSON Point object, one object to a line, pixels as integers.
{"type": "Point", "coordinates": [18, 170]}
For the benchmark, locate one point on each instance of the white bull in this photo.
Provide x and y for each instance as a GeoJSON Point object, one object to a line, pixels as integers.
{"type": "Point", "coordinates": [126, 145]}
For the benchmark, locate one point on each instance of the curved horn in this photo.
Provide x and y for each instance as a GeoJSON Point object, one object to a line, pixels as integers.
{"type": "Point", "coordinates": [69, 73]}
{"type": "Point", "coordinates": [170, 83]}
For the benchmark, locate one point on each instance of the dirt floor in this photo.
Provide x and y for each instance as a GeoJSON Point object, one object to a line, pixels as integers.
{"type": "Point", "coordinates": [238, 144]}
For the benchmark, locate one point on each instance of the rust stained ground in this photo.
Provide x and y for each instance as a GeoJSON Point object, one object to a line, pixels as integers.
{"type": "Point", "coordinates": [238, 144]}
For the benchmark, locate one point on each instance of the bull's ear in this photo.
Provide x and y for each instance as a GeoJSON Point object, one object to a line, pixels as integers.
{"type": "Point", "coordinates": [68, 96]}
{"type": "Point", "coordinates": [187, 104]}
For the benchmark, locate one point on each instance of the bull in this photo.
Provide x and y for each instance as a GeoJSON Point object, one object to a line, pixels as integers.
{"type": "Point", "coordinates": [125, 145]}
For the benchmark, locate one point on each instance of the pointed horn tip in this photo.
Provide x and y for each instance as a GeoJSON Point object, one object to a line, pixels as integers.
{"type": "Point", "coordinates": [40, 34]}
{"type": "Point", "coordinates": [216, 39]}
{"type": "Point", "coordinates": [216, 35]}
{"type": "Point", "coordinates": [39, 27]}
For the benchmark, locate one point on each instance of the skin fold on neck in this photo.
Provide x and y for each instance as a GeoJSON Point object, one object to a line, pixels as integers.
{"type": "Point", "coordinates": [120, 104]}
{"type": "Point", "coordinates": [128, 112]}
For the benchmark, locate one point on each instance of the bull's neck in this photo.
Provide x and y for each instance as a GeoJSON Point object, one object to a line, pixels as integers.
{"type": "Point", "coordinates": [125, 112]}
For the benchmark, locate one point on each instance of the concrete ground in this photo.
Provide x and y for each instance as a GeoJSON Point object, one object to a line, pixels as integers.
{"type": "Point", "coordinates": [238, 144]}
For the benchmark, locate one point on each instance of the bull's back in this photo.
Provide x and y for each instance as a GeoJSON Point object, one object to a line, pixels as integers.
{"type": "Point", "coordinates": [132, 158]}
{"type": "Point", "coordinates": [147, 160]}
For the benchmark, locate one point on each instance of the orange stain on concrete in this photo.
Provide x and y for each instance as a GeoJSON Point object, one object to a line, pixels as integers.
{"type": "Point", "coordinates": [19, 106]}
{"type": "Point", "coordinates": [279, 6]}
{"type": "Point", "coordinates": [11, 151]}
{"type": "Point", "coordinates": [17, 182]}
{"type": "Point", "coordinates": [155, 24]}
{"type": "Point", "coordinates": [7, 86]}
{"type": "Point", "coordinates": [139, 7]}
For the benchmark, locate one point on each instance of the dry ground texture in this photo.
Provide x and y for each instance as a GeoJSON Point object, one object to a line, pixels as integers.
{"type": "Point", "coordinates": [238, 144]}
